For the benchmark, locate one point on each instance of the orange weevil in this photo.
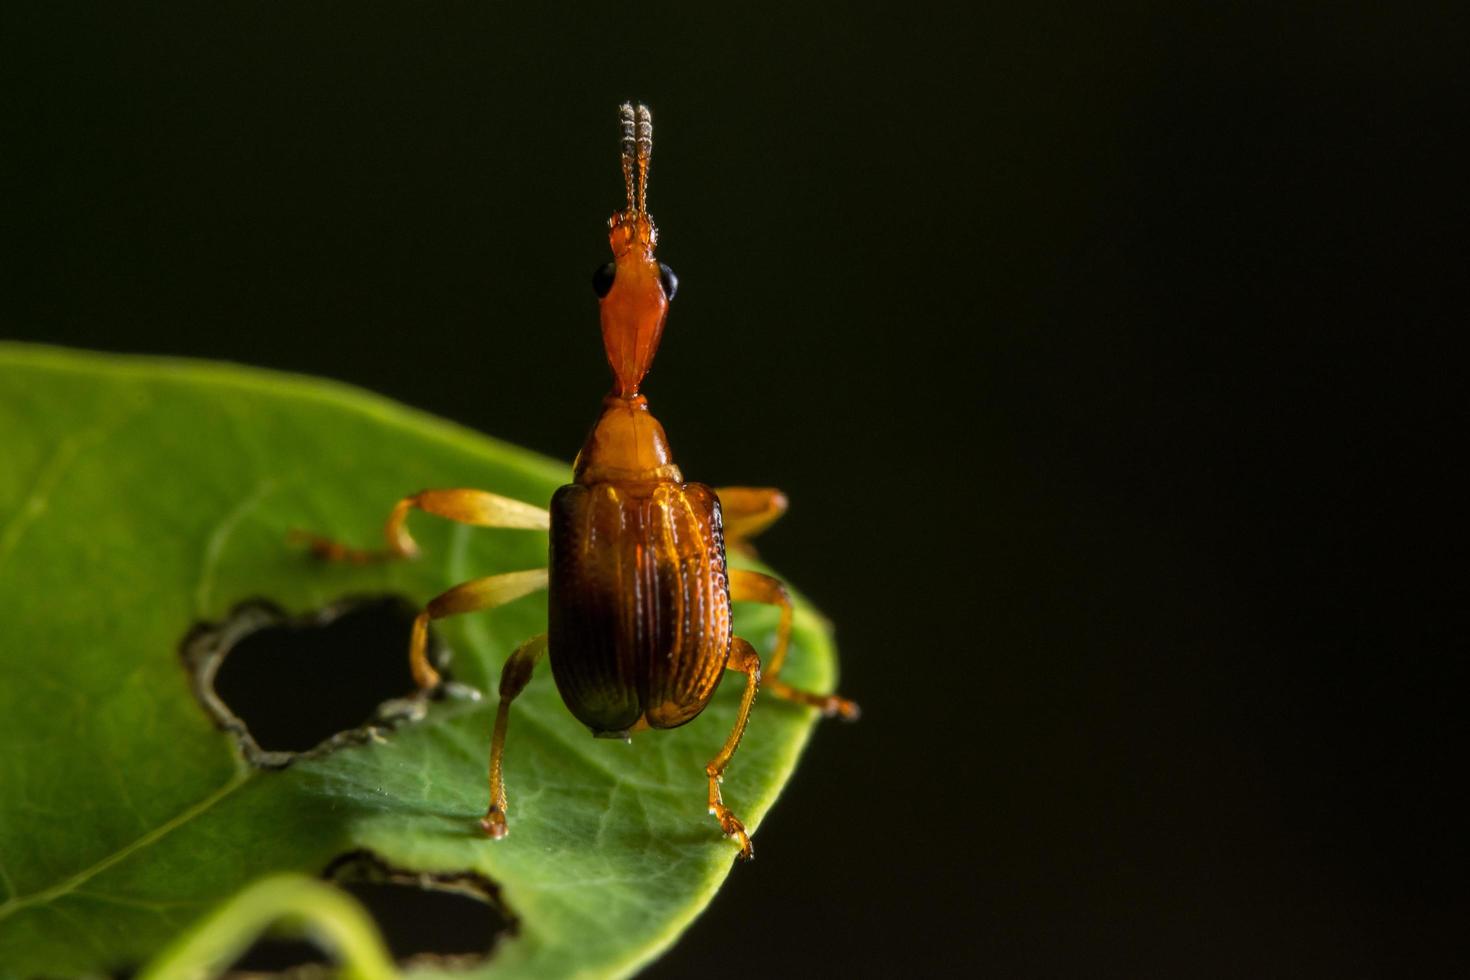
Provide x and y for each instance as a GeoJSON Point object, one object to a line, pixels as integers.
{"type": "Point", "coordinates": [639, 630]}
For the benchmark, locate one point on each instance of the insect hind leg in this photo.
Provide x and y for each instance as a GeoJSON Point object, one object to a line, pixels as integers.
{"type": "Point", "coordinates": [752, 586]}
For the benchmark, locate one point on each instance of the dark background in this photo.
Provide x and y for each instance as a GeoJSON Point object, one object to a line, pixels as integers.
{"type": "Point", "coordinates": [1106, 356]}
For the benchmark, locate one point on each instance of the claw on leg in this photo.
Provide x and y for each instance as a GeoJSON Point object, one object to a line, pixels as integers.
{"type": "Point", "coordinates": [734, 829]}
{"type": "Point", "coordinates": [729, 823]}
{"type": "Point", "coordinates": [493, 824]}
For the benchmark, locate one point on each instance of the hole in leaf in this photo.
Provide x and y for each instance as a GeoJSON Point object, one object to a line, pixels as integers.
{"type": "Point", "coordinates": [281, 956]}
{"type": "Point", "coordinates": [443, 920]}
{"type": "Point", "coordinates": [288, 686]}
{"type": "Point", "coordinates": [450, 919]}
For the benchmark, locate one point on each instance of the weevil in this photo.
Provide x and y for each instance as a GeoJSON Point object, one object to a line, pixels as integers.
{"type": "Point", "coordinates": [639, 620]}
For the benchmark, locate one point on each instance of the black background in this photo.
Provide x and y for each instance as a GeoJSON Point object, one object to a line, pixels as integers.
{"type": "Point", "coordinates": [1105, 355]}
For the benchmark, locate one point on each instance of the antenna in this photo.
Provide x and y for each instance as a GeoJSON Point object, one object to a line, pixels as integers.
{"type": "Point", "coordinates": [637, 128]}
{"type": "Point", "coordinates": [626, 119]}
{"type": "Point", "coordinates": [645, 154]}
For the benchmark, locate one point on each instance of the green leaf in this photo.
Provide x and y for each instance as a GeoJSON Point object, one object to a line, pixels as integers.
{"type": "Point", "coordinates": [140, 497]}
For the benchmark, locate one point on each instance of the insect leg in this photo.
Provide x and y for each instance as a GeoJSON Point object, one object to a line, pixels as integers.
{"type": "Point", "coordinates": [747, 511]}
{"type": "Point", "coordinates": [477, 507]}
{"type": "Point", "coordinates": [742, 658]}
{"type": "Point", "coordinates": [473, 596]}
{"type": "Point", "coordinates": [513, 677]}
{"type": "Point", "coordinates": [750, 586]}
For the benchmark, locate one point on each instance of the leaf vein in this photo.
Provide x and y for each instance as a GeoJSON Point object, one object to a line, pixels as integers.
{"type": "Point", "coordinates": [215, 546]}
{"type": "Point", "coordinates": [15, 904]}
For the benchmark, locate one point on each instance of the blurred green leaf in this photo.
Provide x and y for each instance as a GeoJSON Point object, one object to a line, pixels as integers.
{"type": "Point", "coordinates": [140, 497]}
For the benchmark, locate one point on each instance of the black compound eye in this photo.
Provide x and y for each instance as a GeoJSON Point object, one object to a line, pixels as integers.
{"type": "Point", "coordinates": [669, 280]}
{"type": "Point", "coordinates": [602, 279]}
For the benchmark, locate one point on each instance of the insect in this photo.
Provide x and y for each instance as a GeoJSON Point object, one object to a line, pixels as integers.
{"type": "Point", "coordinates": [640, 630]}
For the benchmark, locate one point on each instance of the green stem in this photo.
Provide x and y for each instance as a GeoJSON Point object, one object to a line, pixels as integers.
{"type": "Point", "coordinates": [294, 903]}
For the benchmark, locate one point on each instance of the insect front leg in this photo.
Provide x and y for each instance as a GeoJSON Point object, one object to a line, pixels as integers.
{"type": "Point", "coordinates": [473, 596]}
{"type": "Point", "coordinates": [750, 586]}
{"type": "Point", "coordinates": [513, 677]}
{"type": "Point", "coordinates": [746, 512]}
{"type": "Point", "coordinates": [477, 507]}
{"type": "Point", "coordinates": [742, 658]}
